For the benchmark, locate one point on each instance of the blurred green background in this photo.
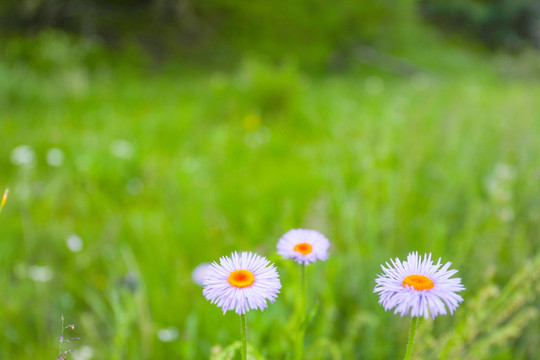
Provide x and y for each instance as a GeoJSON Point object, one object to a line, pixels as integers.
{"type": "Point", "coordinates": [142, 138]}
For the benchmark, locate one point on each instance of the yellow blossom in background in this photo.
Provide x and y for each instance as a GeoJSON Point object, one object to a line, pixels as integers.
{"type": "Point", "coordinates": [4, 199]}
{"type": "Point", "coordinates": [251, 122]}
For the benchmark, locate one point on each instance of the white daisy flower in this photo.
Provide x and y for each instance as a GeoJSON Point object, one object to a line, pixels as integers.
{"type": "Point", "coordinates": [241, 282]}
{"type": "Point", "coordinates": [304, 246]}
{"type": "Point", "coordinates": [417, 287]}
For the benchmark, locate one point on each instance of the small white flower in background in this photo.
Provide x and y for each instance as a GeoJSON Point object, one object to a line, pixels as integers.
{"type": "Point", "coordinates": [199, 273]}
{"type": "Point", "coordinates": [83, 353]}
{"type": "Point", "coordinates": [74, 243]}
{"type": "Point", "coordinates": [40, 273]}
{"type": "Point", "coordinates": [506, 214]}
{"type": "Point", "coordinates": [167, 335]}
{"type": "Point", "coordinates": [505, 172]}
{"type": "Point", "coordinates": [303, 245]}
{"type": "Point", "coordinates": [55, 157]}
{"type": "Point", "coordinates": [499, 186]}
{"type": "Point", "coordinates": [122, 148]}
{"type": "Point", "coordinates": [134, 186]}
{"type": "Point", "coordinates": [23, 155]}
{"type": "Point", "coordinates": [498, 190]}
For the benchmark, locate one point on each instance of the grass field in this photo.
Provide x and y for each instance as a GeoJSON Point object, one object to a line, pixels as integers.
{"type": "Point", "coordinates": [156, 173]}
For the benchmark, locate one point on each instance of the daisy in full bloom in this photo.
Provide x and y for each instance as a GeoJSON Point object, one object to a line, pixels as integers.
{"type": "Point", "coordinates": [417, 287]}
{"type": "Point", "coordinates": [241, 282]}
{"type": "Point", "coordinates": [304, 246]}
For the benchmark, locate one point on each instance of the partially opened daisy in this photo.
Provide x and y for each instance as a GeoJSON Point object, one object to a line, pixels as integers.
{"type": "Point", "coordinates": [199, 273]}
{"type": "Point", "coordinates": [303, 245]}
{"type": "Point", "coordinates": [241, 282]}
{"type": "Point", "coordinates": [418, 288]}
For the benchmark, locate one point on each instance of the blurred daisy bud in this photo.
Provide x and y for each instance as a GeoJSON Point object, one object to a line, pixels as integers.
{"type": "Point", "coordinates": [304, 246]}
{"type": "Point", "coordinates": [199, 273]}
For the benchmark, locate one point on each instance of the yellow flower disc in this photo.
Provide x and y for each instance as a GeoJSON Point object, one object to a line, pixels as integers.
{"type": "Point", "coordinates": [303, 248]}
{"type": "Point", "coordinates": [418, 282]}
{"type": "Point", "coordinates": [241, 278]}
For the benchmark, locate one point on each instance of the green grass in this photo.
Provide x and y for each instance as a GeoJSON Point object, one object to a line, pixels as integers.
{"type": "Point", "coordinates": [381, 165]}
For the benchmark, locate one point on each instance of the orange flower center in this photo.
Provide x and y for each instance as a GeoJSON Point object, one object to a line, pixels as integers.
{"type": "Point", "coordinates": [241, 278]}
{"type": "Point", "coordinates": [418, 282]}
{"type": "Point", "coordinates": [303, 248]}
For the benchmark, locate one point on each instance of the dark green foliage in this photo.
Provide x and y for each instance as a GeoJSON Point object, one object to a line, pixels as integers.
{"type": "Point", "coordinates": [219, 31]}
{"type": "Point", "coordinates": [50, 51]}
{"type": "Point", "coordinates": [508, 23]}
{"type": "Point", "coordinates": [315, 33]}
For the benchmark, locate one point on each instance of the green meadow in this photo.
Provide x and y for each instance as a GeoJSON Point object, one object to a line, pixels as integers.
{"type": "Point", "coordinates": [155, 171]}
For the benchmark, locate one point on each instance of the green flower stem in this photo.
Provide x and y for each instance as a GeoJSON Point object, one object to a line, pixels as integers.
{"type": "Point", "coordinates": [303, 283]}
{"type": "Point", "coordinates": [299, 348]}
{"type": "Point", "coordinates": [243, 335]}
{"type": "Point", "coordinates": [410, 344]}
